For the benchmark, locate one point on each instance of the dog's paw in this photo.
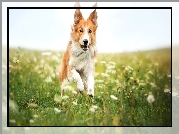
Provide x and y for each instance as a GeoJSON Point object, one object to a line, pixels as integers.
{"type": "Point", "coordinates": [90, 92]}
{"type": "Point", "coordinates": [91, 95]}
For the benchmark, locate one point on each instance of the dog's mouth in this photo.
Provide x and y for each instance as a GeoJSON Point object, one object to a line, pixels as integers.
{"type": "Point", "coordinates": [84, 47]}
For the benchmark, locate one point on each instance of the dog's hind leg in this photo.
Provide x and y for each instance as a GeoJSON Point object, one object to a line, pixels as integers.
{"type": "Point", "coordinates": [64, 83]}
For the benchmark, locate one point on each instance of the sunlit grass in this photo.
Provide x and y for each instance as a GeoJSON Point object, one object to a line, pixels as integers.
{"type": "Point", "coordinates": [131, 89]}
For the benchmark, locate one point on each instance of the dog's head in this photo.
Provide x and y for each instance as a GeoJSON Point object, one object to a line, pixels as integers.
{"type": "Point", "coordinates": [84, 31]}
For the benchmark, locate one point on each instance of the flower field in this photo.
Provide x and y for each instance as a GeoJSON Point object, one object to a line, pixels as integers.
{"type": "Point", "coordinates": [131, 89]}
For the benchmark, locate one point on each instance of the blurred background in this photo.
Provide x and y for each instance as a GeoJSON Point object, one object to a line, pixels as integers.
{"type": "Point", "coordinates": [119, 30]}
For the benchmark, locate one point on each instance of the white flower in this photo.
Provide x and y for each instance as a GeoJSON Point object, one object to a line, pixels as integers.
{"type": "Point", "coordinates": [112, 63]}
{"type": "Point", "coordinates": [99, 81]}
{"type": "Point", "coordinates": [57, 98]}
{"type": "Point", "coordinates": [169, 75]}
{"type": "Point", "coordinates": [167, 91]}
{"type": "Point", "coordinates": [42, 61]}
{"type": "Point", "coordinates": [46, 53]}
{"type": "Point", "coordinates": [105, 75]}
{"type": "Point", "coordinates": [10, 66]}
{"type": "Point", "coordinates": [156, 64]}
{"type": "Point", "coordinates": [110, 67]}
{"type": "Point", "coordinates": [12, 121]}
{"type": "Point", "coordinates": [130, 67]}
{"type": "Point", "coordinates": [96, 74]}
{"type": "Point", "coordinates": [64, 83]}
{"type": "Point", "coordinates": [68, 87]}
{"type": "Point", "coordinates": [48, 79]}
{"type": "Point", "coordinates": [35, 59]}
{"type": "Point", "coordinates": [113, 97]}
{"type": "Point", "coordinates": [100, 86]}
{"type": "Point", "coordinates": [131, 78]}
{"type": "Point", "coordinates": [152, 84]}
{"type": "Point", "coordinates": [31, 121]}
{"type": "Point", "coordinates": [57, 110]}
{"type": "Point", "coordinates": [142, 84]}
{"type": "Point", "coordinates": [13, 106]}
{"type": "Point", "coordinates": [55, 58]}
{"type": "Point", "coordinates": [32, 105]}
{"type": "Point", "coordinates": [150, 72]}
{"type": "Point", "coordinates": [35, 116]}
{"type": "Point", "coordinates": [15, 60]}
{"type": "Point", "coordinates": [93, 108]}
{"type": "Point", "coordinates": [74, 92]}
{"type": "Point", "coordinates": [65, 97]}
{"type": "Point", "coordinates": [103, 62]}
{"type": "Point", "coordinates": [74, 102]}
{"type": "Point", "coordinates": [150, 98]}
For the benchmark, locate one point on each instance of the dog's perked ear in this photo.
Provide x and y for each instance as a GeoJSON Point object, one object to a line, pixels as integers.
{"type": "Point", "coordinates": [93, 17]}
{"type": "Point", "coordinates": [78, 15]}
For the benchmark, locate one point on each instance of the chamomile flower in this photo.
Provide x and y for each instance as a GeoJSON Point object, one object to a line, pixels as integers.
{"type": "Point", "coordinates": [57, 110]}
{"type": "Point", "coordinates": [167, 91]}
{"type": "Point", "coordinates": [48, 79]}
{"type": "Point", "coordinates": [93, 108]}
{"type": "Point", "coordinates": [105, 74]}
{"type": "Point", "coordinates": [113, 97]}
{"type": "Point", "coordinates": [150, 98]}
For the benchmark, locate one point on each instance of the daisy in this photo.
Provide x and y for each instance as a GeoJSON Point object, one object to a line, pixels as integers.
{"type": "Point", "coordinates": [48, 79]}
{"type": "Point", "coordinates": [167, 91]}
{"type": "Point", "coordinates": [113, 97]}
{"type": "Point", "coordinates": [93, 108]}
{"type": "Point", "coordinates": [57, 110]}
{"type": "Point", "coordinates": [150, 98]}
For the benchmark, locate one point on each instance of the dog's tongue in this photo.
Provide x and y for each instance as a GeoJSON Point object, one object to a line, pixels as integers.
{"type": "Point", "coordinates": [84, 47]}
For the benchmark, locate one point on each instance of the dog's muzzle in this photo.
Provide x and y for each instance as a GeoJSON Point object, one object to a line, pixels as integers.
{"type": "Point", "coordinates": [85, 46]}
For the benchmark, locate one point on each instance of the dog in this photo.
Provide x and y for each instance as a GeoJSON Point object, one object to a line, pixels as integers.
{"type": "Point", "coordinates": [78, 61]}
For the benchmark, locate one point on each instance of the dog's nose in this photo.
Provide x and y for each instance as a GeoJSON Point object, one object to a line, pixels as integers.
{"type": "Point", "coordinates": [85, 41]}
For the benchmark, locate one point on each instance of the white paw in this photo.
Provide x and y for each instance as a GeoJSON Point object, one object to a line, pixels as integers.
{"type": "Point", "coordinates": [90, 92]}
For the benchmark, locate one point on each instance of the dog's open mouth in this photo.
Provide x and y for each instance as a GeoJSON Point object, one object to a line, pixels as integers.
{"type": "Point", "coordinates": [84, 47]}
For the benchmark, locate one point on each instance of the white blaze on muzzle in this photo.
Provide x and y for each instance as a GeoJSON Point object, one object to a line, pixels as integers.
{"type": "Point", "coordinates": [85, 41]}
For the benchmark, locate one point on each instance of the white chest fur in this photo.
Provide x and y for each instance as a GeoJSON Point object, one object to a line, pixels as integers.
{"type": "Point", "coordinates": [82, 60]}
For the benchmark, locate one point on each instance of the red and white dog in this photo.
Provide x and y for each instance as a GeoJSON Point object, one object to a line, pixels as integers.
{"type": "Point", "coordinates": [78, 60]}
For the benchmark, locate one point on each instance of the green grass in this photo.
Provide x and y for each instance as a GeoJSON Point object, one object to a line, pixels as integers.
{"type": "Point", "coordinates": [34, 91]}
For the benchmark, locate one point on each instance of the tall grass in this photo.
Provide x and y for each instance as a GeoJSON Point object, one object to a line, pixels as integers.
{"type": "Point", "coordinates": [123, 82]}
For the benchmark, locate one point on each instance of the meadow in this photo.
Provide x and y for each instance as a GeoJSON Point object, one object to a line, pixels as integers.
{"type": "Point", "coordinates": [131, 89]}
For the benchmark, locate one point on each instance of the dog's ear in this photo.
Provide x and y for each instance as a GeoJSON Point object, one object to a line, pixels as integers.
{"type": "Point", "coordinates": [93, 17]}
{"type": "Point", "coordinates": [78, 15]}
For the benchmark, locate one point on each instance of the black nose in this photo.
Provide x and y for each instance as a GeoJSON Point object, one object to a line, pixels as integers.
{"type": "Point", "coordinates": [85, 41]}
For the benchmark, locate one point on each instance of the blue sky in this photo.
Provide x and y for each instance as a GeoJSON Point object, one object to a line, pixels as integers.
{"type": "Point", "coordinates": [119, 29]}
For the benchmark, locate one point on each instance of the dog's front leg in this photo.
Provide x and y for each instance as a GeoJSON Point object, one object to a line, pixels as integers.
{"type": "Point", "coordinates": [77, 79]}
{"type": "Point", "coordinates": [90, 85]}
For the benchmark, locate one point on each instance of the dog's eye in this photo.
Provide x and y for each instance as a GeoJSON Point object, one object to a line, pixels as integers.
{"type": "Point", "coordinates": [81, 30]}
{"type": "Point", "coordinates": [90, 31]}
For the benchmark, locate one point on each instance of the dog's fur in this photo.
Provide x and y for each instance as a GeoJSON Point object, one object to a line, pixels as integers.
{"type": "Point", "coordinates": [79, 58]}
